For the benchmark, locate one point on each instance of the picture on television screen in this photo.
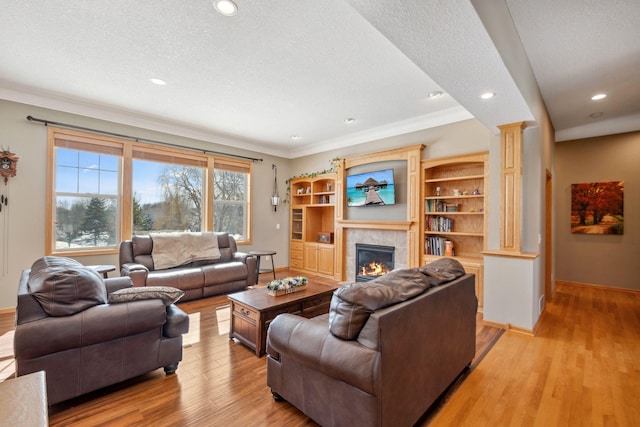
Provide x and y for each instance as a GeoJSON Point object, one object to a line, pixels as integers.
{"type": "Point", "coordinates": [371, 189]}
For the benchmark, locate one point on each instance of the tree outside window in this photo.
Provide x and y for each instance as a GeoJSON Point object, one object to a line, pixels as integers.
{"type": "Point", "coordinates": [86, 199]}
{"type": "Point", "coordinates": [166, 197]}
{"type": "Point", "coordinates": [230, 190]}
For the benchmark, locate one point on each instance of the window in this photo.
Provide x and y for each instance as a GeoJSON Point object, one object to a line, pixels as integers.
{"type": "Point", "coordinates": [104, 190]}
{"type": "Point", "coordinates": [231, 184]}
{"type": "Point", "coordinates": [86, 192]}
{"type": "Point", "coordinates": [167, 192]}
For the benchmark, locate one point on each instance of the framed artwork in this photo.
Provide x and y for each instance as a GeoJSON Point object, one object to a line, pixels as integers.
{"type": "Point", "coordinates": [597, 208]}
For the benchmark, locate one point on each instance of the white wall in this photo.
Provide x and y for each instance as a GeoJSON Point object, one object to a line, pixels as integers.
{"type": "Point", "coordinates": [511, 299]}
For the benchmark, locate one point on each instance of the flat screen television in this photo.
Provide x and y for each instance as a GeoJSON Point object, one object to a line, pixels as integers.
{"type": "Point", "coordinates": [371, 189]}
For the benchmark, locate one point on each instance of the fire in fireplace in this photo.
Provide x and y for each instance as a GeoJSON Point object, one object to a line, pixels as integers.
{"type": "Point", "coordinates": [373, 261]}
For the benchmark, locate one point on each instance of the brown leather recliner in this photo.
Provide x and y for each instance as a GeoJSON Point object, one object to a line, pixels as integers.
{"type": "Point", "coordinates": [379, 363]}
{"type": "Point", "coordinates": [66, 327]}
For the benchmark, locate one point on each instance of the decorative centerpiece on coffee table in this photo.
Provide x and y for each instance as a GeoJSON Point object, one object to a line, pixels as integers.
{"type": "Point", "coordinates": [286, 286]}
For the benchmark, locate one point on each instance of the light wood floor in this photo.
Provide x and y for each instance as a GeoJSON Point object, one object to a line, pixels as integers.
{"type": "Point", "coordinates": [583, 368]}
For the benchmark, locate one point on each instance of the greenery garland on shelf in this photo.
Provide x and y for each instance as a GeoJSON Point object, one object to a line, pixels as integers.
{"type": "Point", "coordinates": [335, 163]}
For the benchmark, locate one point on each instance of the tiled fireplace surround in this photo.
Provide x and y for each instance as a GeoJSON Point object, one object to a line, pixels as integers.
{"type": "Point", "coordinates": [397, 239]}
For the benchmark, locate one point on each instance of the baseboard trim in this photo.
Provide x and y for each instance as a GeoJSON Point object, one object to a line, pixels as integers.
{"type": "Point", "coordinates": [9, 310]}
{"type": "Point", "coordinates": [560, 283]}
{"type": "Point", "coordinates": [509, 327]}
{"type": "Point", "coordinates": [494, 324]}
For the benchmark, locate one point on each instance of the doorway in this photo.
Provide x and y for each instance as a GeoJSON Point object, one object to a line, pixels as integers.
{"type": "Point", "coordinates": [548, 244]}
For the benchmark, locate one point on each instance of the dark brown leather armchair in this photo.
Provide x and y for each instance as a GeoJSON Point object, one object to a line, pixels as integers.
{"type": "Point", "coordinates": [66, 327]}
{"type": "Point", "coordinates": [398, 362]}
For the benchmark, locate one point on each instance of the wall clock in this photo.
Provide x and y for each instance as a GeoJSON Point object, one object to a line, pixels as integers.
{"type": "Point", "coordinates": [8, 164]}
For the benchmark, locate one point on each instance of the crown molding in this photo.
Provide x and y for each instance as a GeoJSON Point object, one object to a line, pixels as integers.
{"type": "Point", "coordinates": [440, 118]}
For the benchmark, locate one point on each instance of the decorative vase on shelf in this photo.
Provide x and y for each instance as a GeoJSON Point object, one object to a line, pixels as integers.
{"type": "Point", "coordinates": [448, 248]}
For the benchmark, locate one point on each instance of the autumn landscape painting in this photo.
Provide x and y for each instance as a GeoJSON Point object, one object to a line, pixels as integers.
{"type": "Point", "coordinates": [597, 208]}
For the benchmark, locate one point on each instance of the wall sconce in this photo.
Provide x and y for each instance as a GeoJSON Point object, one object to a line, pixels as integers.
{"type": "Point", "coordinates": [275, 196]}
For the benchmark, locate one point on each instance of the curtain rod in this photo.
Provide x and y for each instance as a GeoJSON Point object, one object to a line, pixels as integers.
{"type": "Point", "coordinates": [135, 138]}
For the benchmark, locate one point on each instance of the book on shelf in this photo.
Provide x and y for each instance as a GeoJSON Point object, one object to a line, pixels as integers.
{"type": "Point", "coordinates": [435, 245]}
{"type": "Point", "coordinates": [439, 224]}
{"type": "Point", "coordinates": [436, 206]}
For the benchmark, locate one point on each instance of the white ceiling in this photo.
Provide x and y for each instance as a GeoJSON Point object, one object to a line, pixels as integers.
{"type": "Point", "coordinates": [300, 67]}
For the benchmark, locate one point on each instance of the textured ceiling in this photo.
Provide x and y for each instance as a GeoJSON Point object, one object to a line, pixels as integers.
{"type": "Point", "coordinates": [578, 48]}
{"type": "Point", "coordinates": [300, 67]}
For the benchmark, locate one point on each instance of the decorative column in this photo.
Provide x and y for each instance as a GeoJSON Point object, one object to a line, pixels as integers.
{"type": "Point", "coordinates": [511, 186]}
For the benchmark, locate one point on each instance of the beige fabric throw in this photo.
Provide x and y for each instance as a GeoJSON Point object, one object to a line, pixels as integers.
{"type": "Point", "coordinates": [174, 249]}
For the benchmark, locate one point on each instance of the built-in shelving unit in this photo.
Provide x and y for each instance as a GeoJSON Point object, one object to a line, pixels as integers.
{"type": "Point", "coordinates": [313, 224]}
{"type": "Point", "coordinates": [454, 191]}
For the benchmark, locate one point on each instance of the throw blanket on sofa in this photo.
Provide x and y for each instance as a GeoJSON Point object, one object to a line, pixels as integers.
{"type": "Point", "coordinates": [175, 249]}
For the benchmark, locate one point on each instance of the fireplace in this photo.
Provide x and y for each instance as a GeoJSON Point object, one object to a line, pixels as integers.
{"type": "Point", "coordinates": [373, 261]}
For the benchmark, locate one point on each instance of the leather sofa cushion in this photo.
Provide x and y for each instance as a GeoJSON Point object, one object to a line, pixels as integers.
{"type": "Point", "coordinates": [181, 277]}
{"type": "Point", "coordinates": [215, 274]}
{"type": "Point", "coordinates": [346, 319]}
{"type": "Point", "coordinates": [352, 304]}
{"type": "Point", "coordinates": [308, 342]}
{"type": "Point", "coordinates": [95, 325]}
{"type": "Point", "coordinates": [64, 287]}
{"type": "Point", "coordinates": [442, 270]}
{"type": "Point", "coordinates": [142, 247]}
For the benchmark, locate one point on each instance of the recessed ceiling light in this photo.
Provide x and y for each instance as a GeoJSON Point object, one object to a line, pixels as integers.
{"type": "Point", "coordinates": [598, 96]}
{"type": "Point", "coordinates": [158, 82]}
{"type": "Point", "coordinates": [349, 120]}
{"type": "Point", "coordinates": [596, 115]}
{"type": "Point", "coordinates": [435, 94]}
{"type": "Point", "coordinates": [294, 137]}
{"type": "Point", "coordinates": [225, 7]}
{"type": "Point", "coordinates": [487, 95]}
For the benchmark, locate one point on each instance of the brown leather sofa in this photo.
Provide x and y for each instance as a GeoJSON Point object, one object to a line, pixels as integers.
{"type": "Point", "coordinates": [233, 271]}
{"type": "Point", "coordinates": [67, 327]}
{"type": "Point", "coordinates": [379, 363]}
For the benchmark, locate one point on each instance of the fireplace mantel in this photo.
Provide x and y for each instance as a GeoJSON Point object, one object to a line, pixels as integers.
{"type": "Point", "coordinates": [410, 227]}
{"type": "Point", "coordinates": [377, 225]}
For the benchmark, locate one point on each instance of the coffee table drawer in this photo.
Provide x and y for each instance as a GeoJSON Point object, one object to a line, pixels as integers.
{"type": "Point", "coordinates": [245, 312]}
{"type": "Point", "coordinates": [314, 303]}
{"type": "Point", "coordinates": [292, 309]}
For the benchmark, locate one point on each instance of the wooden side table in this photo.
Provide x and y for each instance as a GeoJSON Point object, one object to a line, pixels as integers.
{"type": "Point", "coordinates": [259, 254]}
{"type": "Point", "coordinates": [103, 269]}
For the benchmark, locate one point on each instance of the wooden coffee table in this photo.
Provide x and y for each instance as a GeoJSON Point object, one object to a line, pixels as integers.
{"type": "Point", "coordinates": [253, 310]}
